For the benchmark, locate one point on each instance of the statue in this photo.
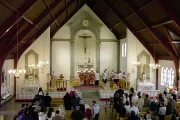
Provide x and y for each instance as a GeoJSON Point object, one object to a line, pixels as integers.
{"type": "Point", "coordinates": [61, 76]}
{"type": "Point", "coordinates": [144, 72]}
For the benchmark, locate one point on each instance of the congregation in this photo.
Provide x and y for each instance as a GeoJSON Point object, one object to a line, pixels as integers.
{"type": "Point", "coordinates": [138, 106]}
{"type": "Point", "coordinates": [41, 109]}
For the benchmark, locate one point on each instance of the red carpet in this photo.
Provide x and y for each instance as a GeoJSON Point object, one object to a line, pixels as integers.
{"type": "Point", "coordinates": [88, 87]}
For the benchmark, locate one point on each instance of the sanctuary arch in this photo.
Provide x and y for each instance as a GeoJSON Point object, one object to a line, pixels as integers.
{"type": "Point", "coordinates": [85, 44]}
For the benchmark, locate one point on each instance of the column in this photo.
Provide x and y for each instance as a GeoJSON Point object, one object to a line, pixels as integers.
{"type": "Point", "coordinates": [118, 56]}
{"type": "Point", "coordinates": [71, 60]}
{"type": "Point", "coordinates": [98, 55]}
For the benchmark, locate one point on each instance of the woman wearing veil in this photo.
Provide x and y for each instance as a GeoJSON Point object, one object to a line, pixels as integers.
{"type": "Point", "coordinates": [67, 101]}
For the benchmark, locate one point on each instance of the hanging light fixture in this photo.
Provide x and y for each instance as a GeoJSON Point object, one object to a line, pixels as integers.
{"type": "Point", "coordinates": [43, 63]}
{"type": "Point", "coordinates": [17, 72]}
{"type": "Point", "coordinates": [154, 66]}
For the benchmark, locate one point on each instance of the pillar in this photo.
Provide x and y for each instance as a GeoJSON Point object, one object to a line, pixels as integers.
{"type": "Point", "coordinates": [118, 56]}
{"type": "Point", "coordinates": [71, 60]}
{"type": "Point", "coordinates": [98, 55]}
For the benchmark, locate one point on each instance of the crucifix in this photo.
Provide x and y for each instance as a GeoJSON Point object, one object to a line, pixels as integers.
{"type": "Point", "coordinates": [85, 37]}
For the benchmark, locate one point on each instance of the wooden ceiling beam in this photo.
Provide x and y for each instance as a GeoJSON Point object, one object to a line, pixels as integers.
{"type": "Point", "coordinates": [67, 13]}
{"type": "Point", "coordinates": [172, 30]}
{"type": "Point", "coordinates": [14, 9]}
{"type": "Point", "coordinates": [170, 12]}
{"type": "Point", "coordinates": [143, 42]}
{"type": "Point", "coordinates": [95, 4]}
{"type": "Point", "coordinates": [14, 18]}
{"type": "Point", "coordinates": [143, 7]}
{"type": "Point", "coordinates": [10, 46]}
{"type": "Point", "coordinates": [79, 1]}
{"type": "Point", "coordinates": [53, 33]}
{"type": "Point", "coordinates": [31, 40]}
{"type": "Point", "coordinates": [170, 40]}
{"type": "Point", "coordinates": [157, 25]}
{"type": "Point", "coordinates": [152, 31]}
{"type": "Point", "coordinates": [111, 9]}
{"type": "Point", "coordinates": [165, 58]}
{"type": "Point", "coordinates": [47, 6]}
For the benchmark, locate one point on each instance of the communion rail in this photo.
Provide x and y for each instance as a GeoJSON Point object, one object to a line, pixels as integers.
{"type": "Point", "coordinates": [106, 95]}
{"type": "Point", "coordinates": [28, 96]}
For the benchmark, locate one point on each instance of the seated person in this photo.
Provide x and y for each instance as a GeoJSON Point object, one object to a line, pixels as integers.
{"type": "Point", "coordinates": [135, 109]}
{"type": "Point", "coordinates": [41, 114]}
{"type": "Point", "coordinates": [133, 116]}
{"type": "Point", "coordinates": [77, 114]}
{"type": "Point", "coordinates": [147, 116]}
{"type": "Point", "coordinates": [62, 112]}
{"type": "Point", "coordinates": [20, 112]}
{"type": "Point", "coordinates": [57, 116]}
{"type": "Point", "coordinates": [47, 100]}
{"type": "Point", "coordinates": [50, 114]}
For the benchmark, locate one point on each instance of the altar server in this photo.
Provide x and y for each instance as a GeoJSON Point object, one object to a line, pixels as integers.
{"type": "Point", "coordinates": [97, 78]}
{"type": "Point", "coordinates": [116, 78]}
{"type": "Point", "coordinates": [105, 76]}
{"type": "Point", "coordinates": [112, 75]}
{"type": "Point", "coordinates": [81, 77]}
{"type": "Point", "coordinates": [119, 75]}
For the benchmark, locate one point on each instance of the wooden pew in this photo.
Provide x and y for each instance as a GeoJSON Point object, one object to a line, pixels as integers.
{"type": "Point", "coordinates": [57, 101]}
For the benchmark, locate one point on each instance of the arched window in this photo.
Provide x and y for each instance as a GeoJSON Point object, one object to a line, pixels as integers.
{"type": "Point", "coordinates": [167, 77]}
{"type": "Point", "coordinates": [172, 78]}
{"type": "Point", "coordinates": [124, 49]}
{"type": "Point", "coordinates": [162, 76]}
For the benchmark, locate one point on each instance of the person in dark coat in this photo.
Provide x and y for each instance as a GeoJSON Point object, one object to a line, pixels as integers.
{"type": "Point", "coordinates": [77, 114]}
{"type": "Point", "coordinates": [47, 100]}
{"type": "Point", "coordinates": [147, 101]}
{"type": "Point", "coordinates": [67, 101]}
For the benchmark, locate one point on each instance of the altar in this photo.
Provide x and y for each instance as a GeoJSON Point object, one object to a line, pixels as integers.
{"type": "Point", "coordinates": [29, 88]}
{"type": "Point", "coordinates": [145, 85]}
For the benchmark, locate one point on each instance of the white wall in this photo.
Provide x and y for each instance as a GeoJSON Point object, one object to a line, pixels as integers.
{"type": "Point", "coordinates": [63, 33]}
{"type": "Point", "coordinates": [8, 85]}
{"type": "Point", "coordinates": [61, 58]}
{"type": "Point", "coordinates": [166, 64]}
{"type": "Point", "coordinates": [37, 46]}
{"type": "Point", "coordinates": [108, 56]}
{"type": "Point", "coordinates": [123, 60]}
{"type": "Point", "coordinates": [134, 47]}
{"type": "Point", "coordinates": [105, 33]}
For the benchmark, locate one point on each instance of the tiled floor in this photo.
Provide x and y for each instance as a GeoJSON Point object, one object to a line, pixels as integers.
{"type": "Point", "coordinates": [10, 109]}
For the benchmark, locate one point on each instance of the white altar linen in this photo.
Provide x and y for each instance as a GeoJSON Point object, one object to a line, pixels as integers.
{"type": "Point", "coordinates": [142, 86]}
{"type": "Point", "coordinates": [29, 88]}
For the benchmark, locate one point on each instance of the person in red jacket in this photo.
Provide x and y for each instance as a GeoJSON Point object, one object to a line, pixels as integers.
{"type": "Point", "coordinates": [88, 113]}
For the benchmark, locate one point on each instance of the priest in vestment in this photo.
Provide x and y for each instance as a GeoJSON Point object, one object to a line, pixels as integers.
{"type": "Point", "coordinates": [91, 78]}
{"type": "Point", "coordinates": [86, 78]}
{"type": "Point", "coordinates": [81, 77]}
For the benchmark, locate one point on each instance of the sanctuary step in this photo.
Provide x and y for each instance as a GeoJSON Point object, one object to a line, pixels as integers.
{"type": "Point", "coordinates": [90, 94]}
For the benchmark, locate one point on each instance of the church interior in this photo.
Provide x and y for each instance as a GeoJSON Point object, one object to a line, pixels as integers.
{"type": "Point", "coordinates": [96, 52]}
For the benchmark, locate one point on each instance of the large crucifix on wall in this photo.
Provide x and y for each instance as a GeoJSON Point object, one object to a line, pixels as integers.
{"type": "Point", "coordinates": [85, 45]}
